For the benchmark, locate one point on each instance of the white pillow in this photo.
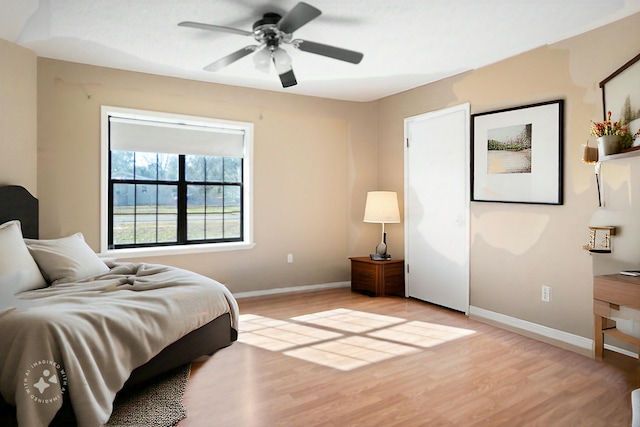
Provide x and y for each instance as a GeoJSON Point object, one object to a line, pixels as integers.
{"type": "Point", "coordinates": [17, 268]}
{"type": "Point", "coordinates": [67, 259]}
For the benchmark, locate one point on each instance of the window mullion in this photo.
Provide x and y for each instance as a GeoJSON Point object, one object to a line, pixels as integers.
{"type": "Point", "coordinates": [156, 198]}
{"type": "Point", "coordinates": [182, 200]}
{"type": "Point", "coordinates": [204, 208]}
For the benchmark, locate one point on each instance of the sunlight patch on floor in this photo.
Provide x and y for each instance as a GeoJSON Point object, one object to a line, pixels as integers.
{"type": "Point", "coordinates": [350, 353]}
{"type": "Point", "coordinates": [349, 320]}
{"type": "Point", "coordinates": [421, 334]}
{"type": "Point", "coordinates": [344, 339]}
{"type": "Point", "coordinates": [278, 335]}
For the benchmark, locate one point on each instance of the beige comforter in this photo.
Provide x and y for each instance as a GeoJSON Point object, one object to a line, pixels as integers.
{"type": "Point", "coordinates": [82, 340]}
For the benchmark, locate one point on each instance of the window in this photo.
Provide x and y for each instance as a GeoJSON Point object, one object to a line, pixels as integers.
{"type": "Point", "coordinates": [174, 181]}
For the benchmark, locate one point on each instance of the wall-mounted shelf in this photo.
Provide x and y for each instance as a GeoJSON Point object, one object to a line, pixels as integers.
{"type": "Point", "coordinates": [629, 152]}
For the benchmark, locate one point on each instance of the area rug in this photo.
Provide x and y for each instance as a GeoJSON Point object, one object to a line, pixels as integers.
{"type": "Point", "coordinates": [157, 402]}
{"type": "Point", "coordinates": [154, 403]}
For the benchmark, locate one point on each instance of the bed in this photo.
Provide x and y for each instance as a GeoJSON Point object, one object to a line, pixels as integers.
{"type": "Point", "coordinates": [76, 330]}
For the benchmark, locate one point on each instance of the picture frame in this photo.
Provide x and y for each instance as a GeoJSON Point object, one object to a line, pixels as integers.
{"type": "Point", "coordinates": [517, 154]}
{"type": "Point", "coordinates": [621, 94]}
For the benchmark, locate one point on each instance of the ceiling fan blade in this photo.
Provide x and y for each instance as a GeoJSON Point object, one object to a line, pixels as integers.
{"type": "Point", "coordinates": [211, 27]}
{"type": "Point", "coordinates": [231, 58]}
{"type": "Point", "coordinates": [282, 62]}
{"type": "Point", "coordinates": [328, 51]}
{"type": "Point", "coordinates": [301, 14]}
{"type": "Point", "coordinates": [288, 79]}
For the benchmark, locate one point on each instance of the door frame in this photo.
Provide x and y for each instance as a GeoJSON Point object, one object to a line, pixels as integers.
{"type": "Point", "coordinates": [465, 108]}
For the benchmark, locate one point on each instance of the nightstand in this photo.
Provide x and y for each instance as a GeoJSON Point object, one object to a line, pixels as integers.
{"type": "Point", "coordinates": [377, 278]}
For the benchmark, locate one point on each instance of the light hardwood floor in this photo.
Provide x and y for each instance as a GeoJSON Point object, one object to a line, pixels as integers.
{"type": "Point", "coordinates": [337, 358]}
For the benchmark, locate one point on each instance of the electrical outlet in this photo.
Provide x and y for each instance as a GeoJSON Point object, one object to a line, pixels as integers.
{"type": "Point", "coordinates": [546, 293]}
{"type": "Point", "coordinates": [290, 258]}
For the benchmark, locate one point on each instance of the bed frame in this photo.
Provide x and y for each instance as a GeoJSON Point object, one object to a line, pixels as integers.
{"type": "Point", "coordinates": [17, 203]}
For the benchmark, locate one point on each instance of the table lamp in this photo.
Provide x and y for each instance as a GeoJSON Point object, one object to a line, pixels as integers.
{"type": "Point", "coordinates": [382, 207]}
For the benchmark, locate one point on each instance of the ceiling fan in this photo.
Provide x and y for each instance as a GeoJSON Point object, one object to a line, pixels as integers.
{"type": "Point", "coordinates": [270, 32]}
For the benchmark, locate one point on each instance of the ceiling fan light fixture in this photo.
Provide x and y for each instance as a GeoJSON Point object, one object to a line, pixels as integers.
{"type": "Point", "coordinates": [282, 60]}
{"type": "Point", "coordinates": [262, 59]}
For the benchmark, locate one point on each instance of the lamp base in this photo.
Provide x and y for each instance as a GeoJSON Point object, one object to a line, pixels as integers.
{"type": "Point", "coordinates": [381, 250]}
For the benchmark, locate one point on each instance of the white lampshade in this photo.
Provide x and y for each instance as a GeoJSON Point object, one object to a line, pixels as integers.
{"type": "Point", "coordinates": [382, 207]}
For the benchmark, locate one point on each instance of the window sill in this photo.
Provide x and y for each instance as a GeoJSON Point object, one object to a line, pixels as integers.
{"type": "Point", "coordinates": [174, 250]}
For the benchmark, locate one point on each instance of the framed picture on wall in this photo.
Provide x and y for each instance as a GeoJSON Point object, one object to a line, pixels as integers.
{"type": "Point", "coordinates": [516, 154]}
{"type": "Point", "coordinates": [621, 94]}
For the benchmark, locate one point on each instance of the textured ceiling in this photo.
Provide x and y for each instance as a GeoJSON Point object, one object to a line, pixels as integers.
{"type": "Point", "coordinates": [406, 43]}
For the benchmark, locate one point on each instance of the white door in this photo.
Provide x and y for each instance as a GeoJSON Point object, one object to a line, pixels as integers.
{"type": "Point", "coordinates": [437, 207]}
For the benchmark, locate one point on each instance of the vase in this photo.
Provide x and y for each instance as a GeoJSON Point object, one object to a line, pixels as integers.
{"type": "Point", "coordinates": [634, 127]}
{"type": "Point", "coordinates": [608, 144]}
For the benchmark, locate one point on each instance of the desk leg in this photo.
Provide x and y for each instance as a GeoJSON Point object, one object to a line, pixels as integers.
{"type": "Point", "coordinates": [598, 337]}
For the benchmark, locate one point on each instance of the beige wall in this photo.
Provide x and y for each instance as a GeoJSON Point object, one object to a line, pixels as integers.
{"type": "Point", "coordinates": [316, 158]}
{"type": "Point", "coordinates": [18, 125]}
{"type": "Point", "coordinates": [517, 248]}
{"type": "Point", "coordinates": [314, 161]}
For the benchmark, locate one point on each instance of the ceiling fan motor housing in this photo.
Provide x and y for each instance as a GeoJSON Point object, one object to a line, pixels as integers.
{"type": "Point", "coordinates": [266, 30]}
{"type": "Point", "coordinates": [267, 19]}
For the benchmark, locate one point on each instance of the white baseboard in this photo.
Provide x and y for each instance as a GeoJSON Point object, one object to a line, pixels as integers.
{"type": "Point", "coordinates": [583, 343]}
{"type": "Point", "coordinates": [621, 351]}
{"type": "Point", "coordinates": [292, 289]}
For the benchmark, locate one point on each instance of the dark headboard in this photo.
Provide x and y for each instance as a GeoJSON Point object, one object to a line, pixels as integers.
{"type": "Point", "coordinates": [17, 203]}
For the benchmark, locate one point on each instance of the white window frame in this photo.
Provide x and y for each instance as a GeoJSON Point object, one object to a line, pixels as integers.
{"type": "Point", "coordinates": [247, 179]}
